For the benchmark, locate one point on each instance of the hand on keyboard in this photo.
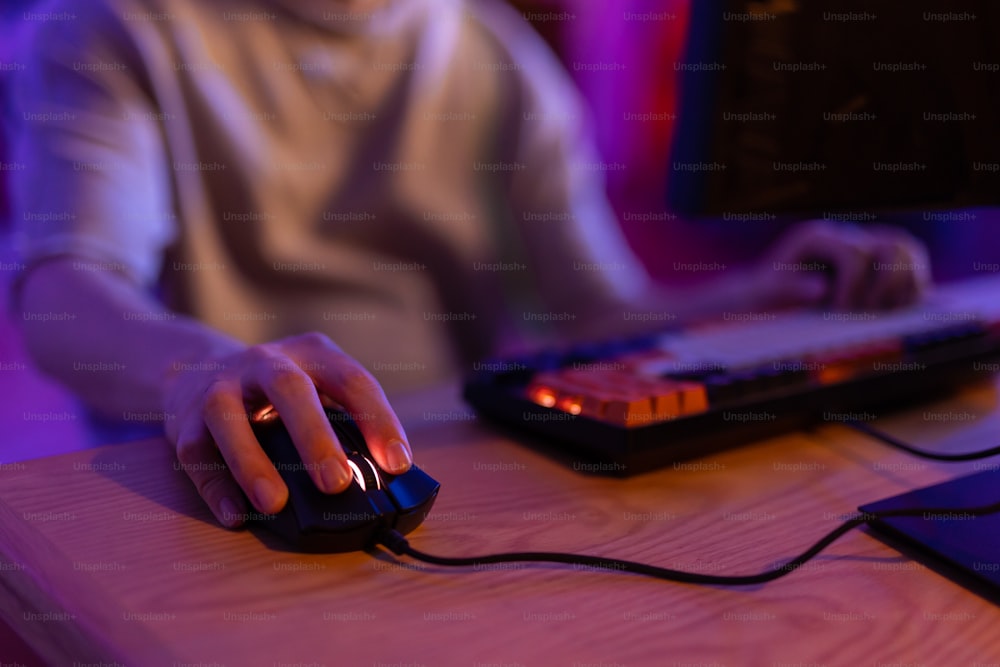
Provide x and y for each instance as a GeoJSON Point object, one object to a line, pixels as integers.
{"type": "Point", "coordinates": [845, 267]}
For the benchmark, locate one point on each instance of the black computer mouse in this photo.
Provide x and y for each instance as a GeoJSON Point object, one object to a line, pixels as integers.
{"type": "Point", "coordinates": [317, 522]}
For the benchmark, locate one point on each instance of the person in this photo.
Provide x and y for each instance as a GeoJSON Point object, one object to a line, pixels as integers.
{"type": "Point", "coordinates": [235, 205]}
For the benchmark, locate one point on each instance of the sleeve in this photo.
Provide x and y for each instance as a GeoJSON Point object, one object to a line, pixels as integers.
{"type": "Point", "coordinates": [568, 230]}
{"type": "Point", "coordinates": [94, 177]}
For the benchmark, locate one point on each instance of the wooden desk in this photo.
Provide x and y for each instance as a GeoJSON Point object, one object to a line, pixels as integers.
{"type": "Point", "coordinates": [109, 557]}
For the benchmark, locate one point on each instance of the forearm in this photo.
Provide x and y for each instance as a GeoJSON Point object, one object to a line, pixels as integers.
{"type": "Point", "coordinates": [734, 291]}
{"type": "Point", "coordinates": [101, 336]}
{"type": "Point", "coordinates": [815, 265]}
{"type": "Point", "coordinates": [656, 306]}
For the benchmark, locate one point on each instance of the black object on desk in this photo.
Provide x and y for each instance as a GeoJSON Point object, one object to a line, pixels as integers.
{"type": "Point", "coordinates": [634, 404]}
{"type": "Point", "coordinates": [353, 520]}
{"type": "Point", "coordinates": [967, 543]}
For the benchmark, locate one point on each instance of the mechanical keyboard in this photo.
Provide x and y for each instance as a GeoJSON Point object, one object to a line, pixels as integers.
{"type": "Point", "coordinates": [633, 404]}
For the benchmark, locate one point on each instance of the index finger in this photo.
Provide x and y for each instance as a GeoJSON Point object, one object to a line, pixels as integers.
{"type": "Point", "coordinates": [292, 393]}
{"type": "Point", "coordinates": [344, 380]}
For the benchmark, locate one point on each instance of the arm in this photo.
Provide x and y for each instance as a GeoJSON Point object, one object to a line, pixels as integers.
{"type": "Point", "coordinates": [105, 322]}
{"type": "Point", "coordinates": [205, 386]}
{"type": "Point", "coordinates": [816, 263]}
{"type": "Point", "coordinates": [93, 240]}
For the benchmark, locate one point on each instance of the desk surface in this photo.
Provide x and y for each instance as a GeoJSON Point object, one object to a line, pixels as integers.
{"type": "Point", "coordinates": [108, 556]}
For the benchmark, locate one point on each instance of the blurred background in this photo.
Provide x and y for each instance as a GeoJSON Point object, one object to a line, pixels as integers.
{"type": "Point", "coordinates": [798, 100]}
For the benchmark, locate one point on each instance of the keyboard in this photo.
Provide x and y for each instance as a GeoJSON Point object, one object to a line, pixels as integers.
{"type": "Point", "coordinates": [629, 405]}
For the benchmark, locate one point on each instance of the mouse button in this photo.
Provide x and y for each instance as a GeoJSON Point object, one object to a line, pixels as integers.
{"type": "Point", "coordinates": [383, 504]}
{"type": "Point", "coordinates": [412, 489]}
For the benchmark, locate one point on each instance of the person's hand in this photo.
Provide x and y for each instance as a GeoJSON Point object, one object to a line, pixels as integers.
{"type": "Point", "coordinates": [212, 401]}
{"type": "Point", "coordinates": [843, 267]}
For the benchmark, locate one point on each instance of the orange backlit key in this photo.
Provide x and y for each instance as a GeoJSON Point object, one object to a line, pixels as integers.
{"type": "Point", "coordinates": [616, 396]}
{"type": "Point", "coordinates": [694, 398]}
{"type": "Point", "coordinates": [570, 402]}
{"type": "Point", "coordinates": [542, 394]}
{"type": "Point", "coordinates": [617, 406]}
{"type": "Point", "coordinates": [846, 363]}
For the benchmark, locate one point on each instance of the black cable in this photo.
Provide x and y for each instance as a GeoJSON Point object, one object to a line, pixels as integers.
{"type": "Point", "coordinates": [401, 547]}
{"type": "Point", "coordinates": [862, 427]}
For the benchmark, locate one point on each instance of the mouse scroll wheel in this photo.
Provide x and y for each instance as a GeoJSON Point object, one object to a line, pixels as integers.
{"type": "Point", "coordinates": [365, 472]}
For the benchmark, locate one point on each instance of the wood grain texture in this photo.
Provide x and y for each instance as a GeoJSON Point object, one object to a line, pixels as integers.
{"type": "Point", "coordinates": [109, 556]}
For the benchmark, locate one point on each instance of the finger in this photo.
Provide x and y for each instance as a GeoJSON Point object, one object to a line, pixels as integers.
{"type": "Point", "coordinates": [850, 263]}
{"type": "Point", "coordinates": [892, 283]}
{"type": "Point", "coordinates": [227, 420]}
{"type": "Point", "coordinates": [292, 392]}
{"type": "Point", "coordinates": [913, 256]}
{"type": "Point", "coordinates": [842, 246]}
{"type": "Point", "coordinates": [361, 395]}
{"type": "Point", "coordinates": [200, 460]}
{"type": "Point", "coordinates": [344, 380]}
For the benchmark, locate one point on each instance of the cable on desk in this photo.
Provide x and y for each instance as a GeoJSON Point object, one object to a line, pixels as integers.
{"type": "Point", "coordinates": [398, 544]}
{"type": "Point", "coordinates": [892, 441]}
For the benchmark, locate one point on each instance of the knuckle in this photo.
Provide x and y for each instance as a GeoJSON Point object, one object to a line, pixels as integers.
{"type": "Point", "coordinates": [287, 378]}
{"type": "Point", "coordinates": [215, 397]}
{"type": "Point", "coordinates": [314, 339]}
{"type": "Point", "coordinates": [313, 343]}
{"type": "Point", "coordinates": [261, 354]}
{"type": "Point", "coordinates": [211, 485]}
{"type": "Point", "coordinates": [356, 379]}
{"type": "Point", "coordinates": [819, 225]}
{"type": "Point", "coordinates": [916, 250]}
{"type": "Point", "coordinates": [858, 250]}
{"type": "Point", "coordinates": [820, 231]}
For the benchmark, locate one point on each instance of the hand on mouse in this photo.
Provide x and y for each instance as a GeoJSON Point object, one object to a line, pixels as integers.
{"type": "Point", "coordinates": [843, 266]}
{"type": "Point", "coordinates": [215, 402]}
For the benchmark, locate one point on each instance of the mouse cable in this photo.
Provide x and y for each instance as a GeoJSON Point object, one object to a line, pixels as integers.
{"type": "Point", "coordinates": [398, 544]}
{"type": "Point", "coordinates": [884, 437]}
